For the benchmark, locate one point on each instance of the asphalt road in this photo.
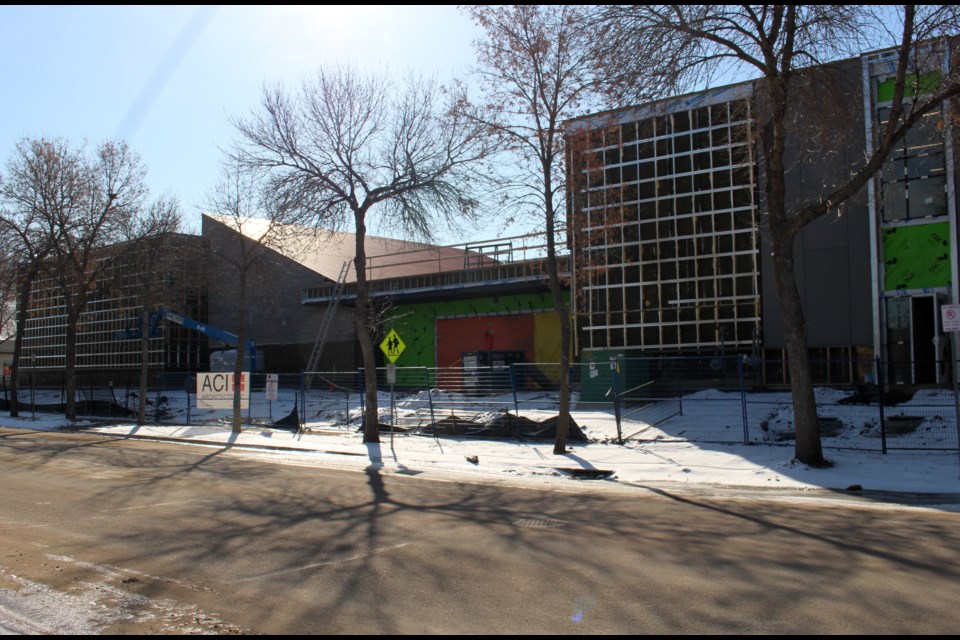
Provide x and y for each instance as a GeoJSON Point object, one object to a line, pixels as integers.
{"type": "Point", "coordinates": [105, 535]}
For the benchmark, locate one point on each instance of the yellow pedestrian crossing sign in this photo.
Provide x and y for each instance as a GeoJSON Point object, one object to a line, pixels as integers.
{"type": "Point", "coordinates": [392, 346]}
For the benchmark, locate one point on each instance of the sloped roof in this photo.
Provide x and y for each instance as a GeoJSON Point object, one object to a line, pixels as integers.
{"type": "Point", "coordinates": [325, 251]}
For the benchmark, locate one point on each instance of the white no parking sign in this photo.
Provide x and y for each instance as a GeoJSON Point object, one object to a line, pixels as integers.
{"type": "Point", "coordinates": [273, 382]}
{"type": "Point", "coordinates": [950, 314]}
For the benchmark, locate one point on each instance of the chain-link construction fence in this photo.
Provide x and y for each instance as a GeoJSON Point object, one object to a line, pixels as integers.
{"type": "Point", "coordinates": [705, 399]}
{"type": "Point", "coordinates": [724, 400]}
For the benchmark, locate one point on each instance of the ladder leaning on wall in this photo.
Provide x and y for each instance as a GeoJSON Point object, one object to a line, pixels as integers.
{"type": "Point", "coordinates": [327, 321]}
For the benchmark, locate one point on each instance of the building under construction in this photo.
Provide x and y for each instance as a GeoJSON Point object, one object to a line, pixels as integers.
{"type": "Point", "coordinates": [442, 301]}
{"type": "Point", "coordinates": [671, 254]}
{"type": "Point", "coordinates": [110, 325]}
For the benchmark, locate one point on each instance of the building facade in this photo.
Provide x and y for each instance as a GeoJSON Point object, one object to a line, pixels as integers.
{"type": "Point", "coordinates": [671, 254]}
{"type": "Point", "coordinates": [485, 297]}
{"type": "Point", "coordinates": [306, 274]}
{"type": "Point", "coordinates": [109, 326]}
{"type": "Point", "coordinates": [667, 247]}
{"type": "Point", "coordinates": [914, 213]}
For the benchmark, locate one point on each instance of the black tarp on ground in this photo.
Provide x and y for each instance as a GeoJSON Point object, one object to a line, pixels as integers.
{"type": "Point", "coordinates": [290, 422]}
{"type": "Point", "coordinates": [872, 395]}
{"type": "Point", "coordinates": [501, 426]}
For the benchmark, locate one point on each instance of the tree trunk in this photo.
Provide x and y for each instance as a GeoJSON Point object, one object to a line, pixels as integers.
{"type": "Point", "coordinates": [23, 303]}
{"type": "Point", "coordinates": [371, 419]}
{"type": "Point", "coordinates": [563, 421]}
{"type": "Point", "coordinates": [553, 272]}
{"type": "Point", "coordinates": [806, 424]}
{"type": "Point", "coordinates": [237, 421]}
{"type": "Point", "coordinates": [144, 366]}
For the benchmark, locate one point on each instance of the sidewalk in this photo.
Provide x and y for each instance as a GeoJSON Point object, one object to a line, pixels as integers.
{"type": "Point", "coordinates": [934, 475]}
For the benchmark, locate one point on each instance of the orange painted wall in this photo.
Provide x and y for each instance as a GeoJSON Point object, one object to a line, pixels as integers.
{"type": "Point", "coordinates": [484, 333]}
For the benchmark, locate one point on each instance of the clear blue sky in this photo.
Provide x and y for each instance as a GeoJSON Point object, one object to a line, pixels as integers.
{"type": "Point", "coordinates": [166, 78]}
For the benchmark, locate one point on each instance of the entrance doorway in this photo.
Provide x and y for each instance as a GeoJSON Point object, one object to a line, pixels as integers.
{"type": "Point", "coordinates": [913, 337]}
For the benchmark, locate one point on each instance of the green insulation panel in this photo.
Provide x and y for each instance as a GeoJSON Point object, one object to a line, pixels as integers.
{"type": "Point", "coordinates": [916, 256]}
{"type": "Point", "coordinates": [928, 83]}
{"type": "Point", "coordinates": [416, 323]}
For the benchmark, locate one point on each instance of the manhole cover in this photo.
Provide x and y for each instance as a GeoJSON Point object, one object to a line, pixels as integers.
{"type": "Point", "coordinates": [539, 523]}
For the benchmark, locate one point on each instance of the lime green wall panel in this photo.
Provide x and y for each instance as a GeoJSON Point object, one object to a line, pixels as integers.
{"type": "Point", "coordinates": [928, 83]}
{"type": "Point", "coordinates": [916, 256]}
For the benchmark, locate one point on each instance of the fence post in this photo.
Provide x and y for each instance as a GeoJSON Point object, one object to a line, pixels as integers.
{"type": "Point", "coordinates": [883, 424]}
{"type": "Point", "coordinates": [516, 404]}
{"type": "Point", "coordinates": [616, 398]}
{"type": "Point", "coordinates": [954, 337]}
{"type": "Point", "coordinates": [743, 399]}
{"type": "Point", "coordinates": [349, 391]}
{"type": "Point", "coordinates": [393, 400]}
{"type": "Point", "coordinates": [361, 379]}
{"type": "Point", "coordinates": [302, 418]}
{"type": "Point", "coordinates": [156, 406]}
{"type": "Point", "coordinates": [433, 418]}
{"type": "Point", "coordinates": [680, 387]}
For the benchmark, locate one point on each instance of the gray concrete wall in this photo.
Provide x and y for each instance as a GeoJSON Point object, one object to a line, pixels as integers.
{"type": "Point", "coordinates": [833, 253]}
{"type": "Point", "coordinates": [281, 326]}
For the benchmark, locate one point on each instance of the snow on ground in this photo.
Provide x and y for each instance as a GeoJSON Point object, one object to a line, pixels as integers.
{"type": "Point", "coordinates": [695, 440]}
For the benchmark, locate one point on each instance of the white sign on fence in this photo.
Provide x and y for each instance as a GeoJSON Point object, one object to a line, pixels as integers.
{"type": "Point", "coordinates": [215, 390]}
{"type": "Point", "coordinates": [470, 371]}
{"type": "Point", "coordinates": [273, 382]}
{"type": "Point", "coordinates": [951, 317]}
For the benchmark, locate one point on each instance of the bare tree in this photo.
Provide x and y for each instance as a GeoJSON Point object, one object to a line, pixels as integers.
{"type": "Point", "coordinates": [76, 205]}
{"type": "Point", "coordinates": [670, 48]}
{"type": "Point", "coordinates": [8, 282]}
{"type": "Point", "coordinates": [147, 256]}
{"type": "Point", "coordinates": [241, 201]}
{"type": "Point", "coordinates": [348, 145]}
{"type": "Point", "coordinates": [8, 290]}
{"type": "Point", "coordinates": [26, 244]}
{"type": "Point", "coordinates": [110, 194]}
{"type": "Point", "coordinates": [535, 71]}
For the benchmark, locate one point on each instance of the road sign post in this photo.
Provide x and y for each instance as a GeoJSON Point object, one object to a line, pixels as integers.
{"type": "Point", "coordinates": [391, 380]}
{"type": "Point", "coordinates": [273, 382]}
{"type": "Point", "coordinates": [392, 346]}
